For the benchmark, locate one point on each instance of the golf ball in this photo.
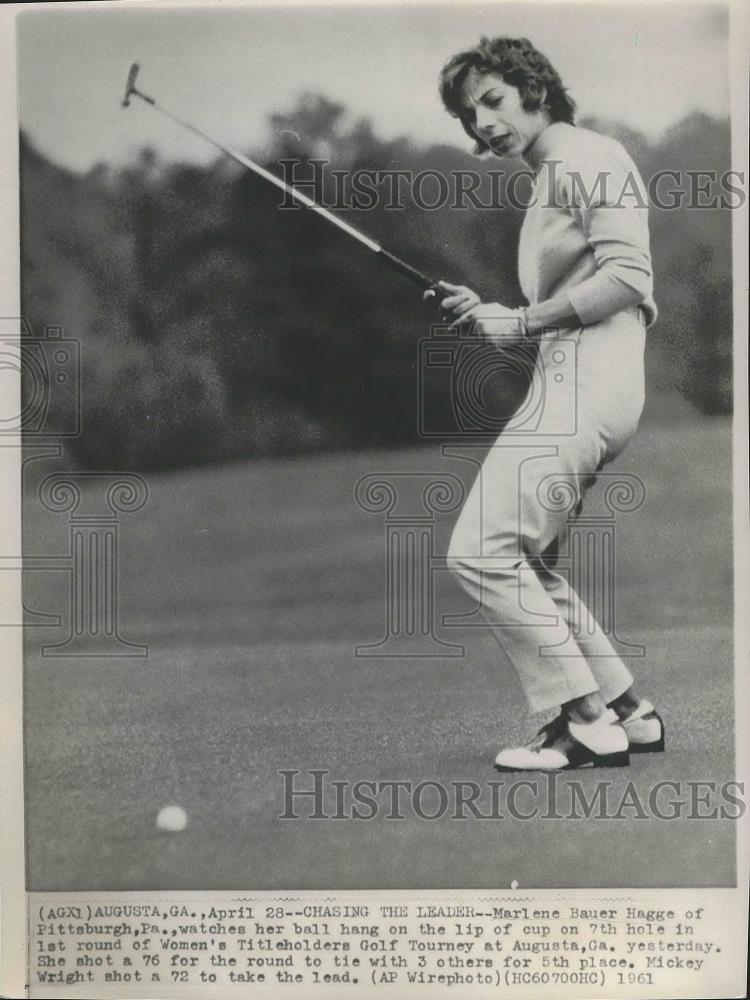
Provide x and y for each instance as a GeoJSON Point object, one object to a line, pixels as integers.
{"type": "Point", "coordinates": [172, 819]}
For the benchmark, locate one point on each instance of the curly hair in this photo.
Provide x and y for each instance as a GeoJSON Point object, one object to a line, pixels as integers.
{"type": "Point", "coordinates": [520, 65]}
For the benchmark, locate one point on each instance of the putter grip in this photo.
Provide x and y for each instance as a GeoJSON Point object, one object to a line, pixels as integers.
{"type": "Point", "coordinates": [436, 303]}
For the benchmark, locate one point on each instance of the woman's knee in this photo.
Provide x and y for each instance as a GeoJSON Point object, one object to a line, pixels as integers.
{"type": "Point", "coordinates": [472, 550]}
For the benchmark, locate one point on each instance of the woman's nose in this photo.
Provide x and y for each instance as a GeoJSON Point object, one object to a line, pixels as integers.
{"type": "Point", "coordinates": [485, 119]}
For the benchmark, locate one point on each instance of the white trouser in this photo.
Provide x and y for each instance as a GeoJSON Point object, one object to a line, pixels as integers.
{"type": "Point", "coordinates": [589, 414]}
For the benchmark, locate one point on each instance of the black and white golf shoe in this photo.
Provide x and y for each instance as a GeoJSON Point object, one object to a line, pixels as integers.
{"type": "Point", "coordinates": [563, 745]}
{"type": "Point", "coordinates": [645, 729]}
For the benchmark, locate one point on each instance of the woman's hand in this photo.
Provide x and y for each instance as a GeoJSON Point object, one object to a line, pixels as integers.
{"type": "Point", "coordinates": [458, 301]}
{"type": "Point", "coordinates": [491, 320]}
{"type": "Point", "coordinates": [496, 323]}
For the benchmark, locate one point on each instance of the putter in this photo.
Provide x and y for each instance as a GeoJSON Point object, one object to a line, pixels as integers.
{"type": "Point", "coordinates": [416, 277]}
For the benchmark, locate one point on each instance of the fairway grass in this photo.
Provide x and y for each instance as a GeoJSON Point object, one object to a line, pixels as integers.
{"type": "Point", "coordinates": [251, 584]}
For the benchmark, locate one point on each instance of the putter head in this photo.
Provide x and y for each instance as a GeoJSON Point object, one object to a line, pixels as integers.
{"type": "Point", "coordinates": [130, 84]}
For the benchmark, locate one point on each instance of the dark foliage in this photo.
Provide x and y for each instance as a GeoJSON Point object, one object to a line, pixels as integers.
{"type": "Point", "coordinates": [214, 325]}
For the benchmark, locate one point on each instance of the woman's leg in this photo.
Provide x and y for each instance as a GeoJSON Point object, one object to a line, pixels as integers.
{"type": "Point", "coordinates": [502, 524]}
{"type": "Point", "coordinates": [613, 678]}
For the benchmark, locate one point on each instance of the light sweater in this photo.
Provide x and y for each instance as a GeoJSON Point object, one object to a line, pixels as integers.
{"type": "Point", "coordinates": [585, 232]}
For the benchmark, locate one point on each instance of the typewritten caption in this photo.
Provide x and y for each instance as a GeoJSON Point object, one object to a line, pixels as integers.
{"type": "Point", "coordinates": [85, 945]}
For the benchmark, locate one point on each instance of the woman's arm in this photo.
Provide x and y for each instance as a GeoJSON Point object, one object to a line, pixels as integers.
{"type": "Point", "coordinates": [614, 222]}
{"type": "Point", "coordinates": [502, 322]}
{"type": "Point", "coordinates": [555, 312]}
{"type": "Point", "coordinates": [605, 194]}
{"type": "Point", "coordinates": [560, 312]}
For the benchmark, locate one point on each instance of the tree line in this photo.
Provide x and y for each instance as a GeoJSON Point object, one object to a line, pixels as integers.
{"type": "Point", "coordinates": [215, 326]}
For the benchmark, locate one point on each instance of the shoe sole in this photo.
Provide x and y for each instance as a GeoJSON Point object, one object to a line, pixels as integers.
{"type": "Point", "coordinates": [620, 759]}
{"type": "Point", "coordinates": [657, 747]}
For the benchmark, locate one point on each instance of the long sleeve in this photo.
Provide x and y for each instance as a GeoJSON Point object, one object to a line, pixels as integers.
{"type": "Point", "coordinates": [585, 232]}
{"type": "Point", "coordinates": [606, 197]}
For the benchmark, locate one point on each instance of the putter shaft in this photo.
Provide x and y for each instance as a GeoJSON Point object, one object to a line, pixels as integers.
{"type": "Point", "coordinates": [409, 272]}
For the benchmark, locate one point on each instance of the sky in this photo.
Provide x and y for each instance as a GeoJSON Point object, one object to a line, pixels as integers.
{"type": "Point", "coordinates": [226, 68]}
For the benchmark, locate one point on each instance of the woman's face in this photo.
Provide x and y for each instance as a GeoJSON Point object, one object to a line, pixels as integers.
{"type": "Point", "coordinates": [496, 116]}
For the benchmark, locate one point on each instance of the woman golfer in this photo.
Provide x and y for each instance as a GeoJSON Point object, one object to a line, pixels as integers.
{"type": "Point", "coordinates": [585, 268]}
